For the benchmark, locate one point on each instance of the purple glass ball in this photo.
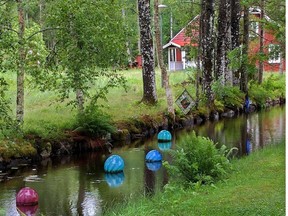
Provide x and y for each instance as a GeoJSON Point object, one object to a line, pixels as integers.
{"type": "Point", "coordinates": [27, 197]}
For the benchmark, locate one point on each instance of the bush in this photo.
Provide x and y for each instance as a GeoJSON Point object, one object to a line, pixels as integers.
{"type": "Point", "coordinates": [230, 96]}
{"type": "Point", "coordinates": [196, 160]}
{"type": "Point", "coordinates": [16, 148]}
{"type": "Point", "coordinates": [275, 85]}
{"type": "Point", "coordinates": [258, 94]}
{"type": "Point", "coordinates": [94, 122]}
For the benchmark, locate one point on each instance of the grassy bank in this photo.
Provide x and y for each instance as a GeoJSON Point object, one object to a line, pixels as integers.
{"type": "Point", "coordinates": [256, 187]}
{"type": "Point", "coordinates": [47, 118]}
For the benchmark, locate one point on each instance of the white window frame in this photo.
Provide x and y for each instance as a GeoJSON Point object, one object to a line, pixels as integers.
{"type": "Point", "coordinates": [275, 57]}
{"type": "Point", "coordinates": [254, 25]}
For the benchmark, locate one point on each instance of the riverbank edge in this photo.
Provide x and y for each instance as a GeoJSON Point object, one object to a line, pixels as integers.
{"type": "Point", "coordinates": [256, 186]}
{"type": "Point", "coordinates": [127, 131]}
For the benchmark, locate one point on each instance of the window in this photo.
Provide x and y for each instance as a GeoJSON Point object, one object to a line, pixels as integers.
{"type": "Point", "coordinates": [172, 54]}
{"type": "Point", "coordinates": [274, 53]}
{"type": "Point", "coordinates": [254, 29]}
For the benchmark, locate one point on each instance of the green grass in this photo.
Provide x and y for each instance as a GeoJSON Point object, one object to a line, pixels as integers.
{"type": "Point", "coordinates": [48, 118]}
{"type": "Point", "coordinates": [256, 187]}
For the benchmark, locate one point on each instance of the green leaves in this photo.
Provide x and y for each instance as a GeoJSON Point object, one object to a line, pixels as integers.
{"type": "Point", "coordinates": [94, 122]}
{"type": "Point", "coordinates": [197, 160]}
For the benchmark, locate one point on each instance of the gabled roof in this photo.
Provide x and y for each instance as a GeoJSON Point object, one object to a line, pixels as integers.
{"type": "Point", "coordinates": [183, 37]}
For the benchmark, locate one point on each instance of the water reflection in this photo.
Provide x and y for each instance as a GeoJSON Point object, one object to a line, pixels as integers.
{"type": "Point", "coordinates": [247, 132]}
{"type": "Point", "coordinates": [27, 210]}
{"type": "Point", "coordinates": [154, 166]}
{"type": "Point", "coordinates": [164, 146]}
{"type": "Point", "coordinates": [114, 179]}
{"type": "Point", "coordinates": [78, 185]}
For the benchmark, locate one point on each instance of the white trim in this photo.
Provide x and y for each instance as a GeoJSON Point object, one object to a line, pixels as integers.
{"type": "Point", "coordinates": [171, 44]}
{"type": "Point", "coordinates": [174, 44]}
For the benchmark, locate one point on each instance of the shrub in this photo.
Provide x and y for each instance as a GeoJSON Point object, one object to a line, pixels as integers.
{"type": "Point", "coordinates": [258, 94]}
{"type": "Point", "coordinates": [16, 148]}
{"type": "Point", "coordinates": [94, 122]}
{"type": "Point", "coordinates": [230, 96]}
{"type": "Point", "coordinates": [196, 160]}
{"type": "Point", "coordinates": [275, 85]}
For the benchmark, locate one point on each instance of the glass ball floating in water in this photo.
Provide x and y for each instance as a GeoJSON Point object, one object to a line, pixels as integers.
{"type": "Point", "coordinates": [164, 136]}
{"type": "Point", "coordinates": [114, 164]}
{"type": "Point", "coordinates": [153, 156]}
{"type": "Point", "coordinates": [27, 197]}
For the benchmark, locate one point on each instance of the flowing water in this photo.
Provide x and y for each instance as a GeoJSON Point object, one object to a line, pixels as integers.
{"type": "Point", "coordinates": [78, 185]}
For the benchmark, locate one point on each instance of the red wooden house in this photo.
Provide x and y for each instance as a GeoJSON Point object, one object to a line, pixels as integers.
{"type": "Point", "coordinates": [188, 36]}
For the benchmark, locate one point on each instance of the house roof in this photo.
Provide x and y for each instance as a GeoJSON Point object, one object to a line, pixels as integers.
{"type": "Point", "coordinates": [184, 36]}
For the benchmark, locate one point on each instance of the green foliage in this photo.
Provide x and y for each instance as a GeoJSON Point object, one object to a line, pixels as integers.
{"type": "Point", "coordinates": [230, 96]}
{"type": "Point", "coordinates": [273, 87]}
{"type": "Point", "coordinates": [89, 37]}
{"type": "Point", "coordinates": [16, 148]}
{"type": "Point", "coordinates": [94, 122]}
{"type": "Point", "coordinates": [196, 160]}
{"type": "Point", "coordinates": [8, 126]}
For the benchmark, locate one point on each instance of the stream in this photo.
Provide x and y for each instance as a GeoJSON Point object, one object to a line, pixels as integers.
{"type": "Point", "coordinates": [78, 185]}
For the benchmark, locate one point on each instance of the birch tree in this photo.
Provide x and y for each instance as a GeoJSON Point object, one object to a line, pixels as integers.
{"type": "Point", "coordinates": [165, 76]}
{"type": "Point", "coordinates": [235, 33]}
{"type": "Point", "coordinates": [261, 43]}
{"type": "Point", "coordinates": [223, 44]}
{"type": "Point", "coordinates": [146, 42]}
{"type": "Point", "coordinates": [21, 69]}
{"type": "Point", "coordinates": [89, 38]}
{"type": "Point", "coordinates": [245, 45]}
{"type": "Point", "coordinates": [207, 27]}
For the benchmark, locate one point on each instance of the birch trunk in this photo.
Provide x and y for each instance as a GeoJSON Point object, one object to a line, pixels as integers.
{"type": "Point", "coordinates": [21, 68]}
{"type": "Point", "coordinates": [243, 69]}
{"type": "Point", "coordinates": [207, 48]}
{"type": "Point", "coordinates": [80, 100]}
{"type": "Point", "coordinates": [165, 77]}
{"type": "Point", "coordinates": [146, 41]}
{"type": "Point", "coordinates": [261, 43]}
{"type": "Point", "coordinates": [235, 34]}
{"type": "Point", "coordinates": [221, 57]}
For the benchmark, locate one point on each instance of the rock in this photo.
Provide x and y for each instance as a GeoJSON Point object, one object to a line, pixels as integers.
{"type": "Point", "coordinates": [228, 114]}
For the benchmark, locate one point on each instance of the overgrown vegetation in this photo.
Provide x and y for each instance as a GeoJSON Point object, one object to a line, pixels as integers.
{"type": "Point", "coordinates": [229, 96]}
{"type": "Point", "coordinates": [16, 148]}
{"type": "Point", "coordinates": [94, 122]}
{"type": "Point", "coordinates": [197, 161]}
{"type": "Point", "coordinates": [273, 87]}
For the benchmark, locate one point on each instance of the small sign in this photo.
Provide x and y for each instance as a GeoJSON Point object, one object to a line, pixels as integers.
{"type": "Point", "coordinates": [185, 102]}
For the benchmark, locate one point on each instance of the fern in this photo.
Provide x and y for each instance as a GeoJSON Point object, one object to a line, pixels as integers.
{"type": "Point", "coordinates": [196, 160]}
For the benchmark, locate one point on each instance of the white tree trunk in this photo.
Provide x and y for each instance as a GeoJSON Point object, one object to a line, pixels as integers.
{"type": "Point", "coordinates": [165, 77]}
{"type": "Point", "coordinates": [21, 68]}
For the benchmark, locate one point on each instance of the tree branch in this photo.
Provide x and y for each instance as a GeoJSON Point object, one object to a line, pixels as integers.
{"type": "Point", "coordinates": [9, 29]}
{"type": "Point", "coordinates": [42, 30]}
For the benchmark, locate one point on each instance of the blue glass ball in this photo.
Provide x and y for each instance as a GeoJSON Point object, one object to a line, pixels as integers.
{"type": "Point", "coordinates": [154, 166]}
{"type": "Point", "coordinates": [114, 164]}
{"type": "Point", "coordinates": [164, 146]}
{"type": "Point", "coordinates": [164, 135]}
{"type": "Point", "coordinates": [153, 156]}
{"type": "Point", "coordinates": [114, 179]}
